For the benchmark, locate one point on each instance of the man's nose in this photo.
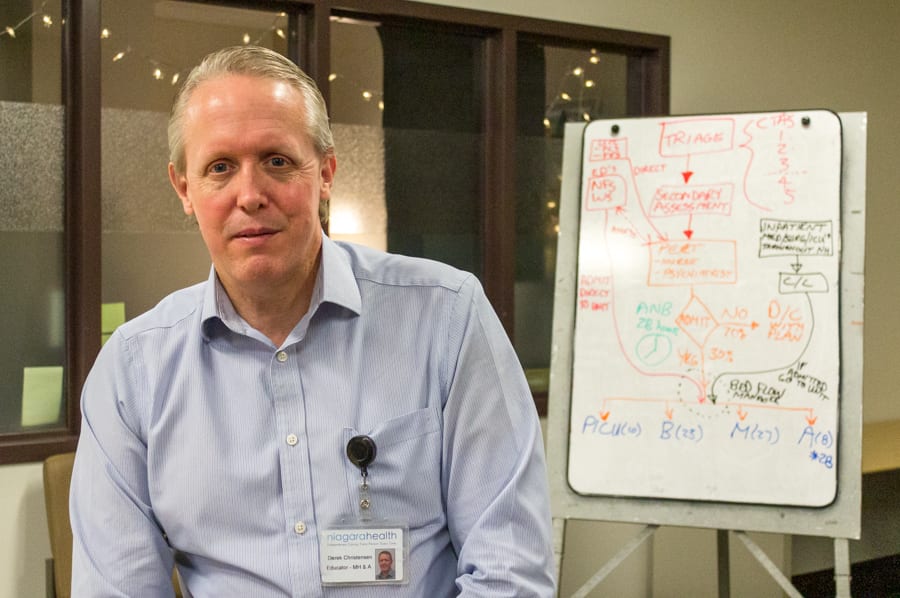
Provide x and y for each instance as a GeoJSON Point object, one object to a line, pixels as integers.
{"type": "Point", "coordinates": [251, 191]}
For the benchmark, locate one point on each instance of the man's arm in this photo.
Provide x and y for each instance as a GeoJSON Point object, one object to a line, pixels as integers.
{"type": "Point", "coordinates": [118, 549]}
{"type": "Point", "coordinates": [494, 478]}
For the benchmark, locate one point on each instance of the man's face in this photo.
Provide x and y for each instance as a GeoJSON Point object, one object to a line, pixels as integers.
{"type": "Point", "coordinates": [385, 561]}
{"type": "Point", "coordinates": [253, 180]}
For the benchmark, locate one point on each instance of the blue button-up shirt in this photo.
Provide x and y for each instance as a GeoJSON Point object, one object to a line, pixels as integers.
{"type": "Point", "coordinates": [206, 446]}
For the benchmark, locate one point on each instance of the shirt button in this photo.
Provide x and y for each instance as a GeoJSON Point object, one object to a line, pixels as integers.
{"type": "Point", "coordinates": [281, 356]}
{"type": "Point", "coordinates": [291, 439]}
{"type": "Point", "coordinates": [300, 527]}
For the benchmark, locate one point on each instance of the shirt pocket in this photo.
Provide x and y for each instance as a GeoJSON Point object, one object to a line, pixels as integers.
{"type": "Point", "coordinates": [405, 477]}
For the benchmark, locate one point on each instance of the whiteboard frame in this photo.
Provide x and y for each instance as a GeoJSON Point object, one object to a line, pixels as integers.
{"type": "Point", "coordinates": [841, 518]}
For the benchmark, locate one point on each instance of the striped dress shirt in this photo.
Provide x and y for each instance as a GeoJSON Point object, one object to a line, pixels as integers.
{"type": "Point", "coordinates": [206, 447]}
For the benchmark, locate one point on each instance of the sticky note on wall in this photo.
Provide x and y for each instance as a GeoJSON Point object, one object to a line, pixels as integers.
{"type": "Point", "coordinates": [42, 390]}
{"type": "Point", "coordinates": [112, 315]}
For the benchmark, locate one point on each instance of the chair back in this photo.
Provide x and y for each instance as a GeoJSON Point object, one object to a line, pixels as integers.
{"type": "Point", "coordinates": [57, 477]}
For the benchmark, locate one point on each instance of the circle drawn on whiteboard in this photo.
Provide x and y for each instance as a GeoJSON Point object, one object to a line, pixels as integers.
{"type": "Point", "coordinates": [653, 349]}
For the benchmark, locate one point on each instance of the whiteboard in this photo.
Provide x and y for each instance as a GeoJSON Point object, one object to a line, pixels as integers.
{"type": "Point", "coordinates": [706, 345]}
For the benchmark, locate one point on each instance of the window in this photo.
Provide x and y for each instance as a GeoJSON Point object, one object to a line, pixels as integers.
{"type": "Point", "coordinates": [149, 247]}
{"type": "Point", "coordinates": [32, 243]}
{"type": "Point", "coordinates": [555, 85]}
{"type": "Point", "coordinates": [421, 178]}
{"type": "Point", "coordinates": [447, 123]}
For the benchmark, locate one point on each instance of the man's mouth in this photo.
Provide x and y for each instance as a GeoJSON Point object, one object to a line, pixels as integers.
{"type": "Point", "coordinates": [251, 233]}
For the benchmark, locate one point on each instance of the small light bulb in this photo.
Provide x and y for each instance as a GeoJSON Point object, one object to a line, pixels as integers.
{"type": "Point", "coordinates": [595, 60]}
{"type": "Point", "coordinates": [367, 95]}
{"type": "Point", "coordinates": [586, 117]}
{"type": "Point", "coordinates": [157, 74]}
{"type": "Point", "coordinates": [280, 33]}
{"type": "Point", "coordinates": [578, 71]}
{"type": "Point", "coordinates": [332, 76]}
{"type": "Point", "coordinates": [565, 96]}
{"type": "Point", "coordinates": [175, 78]}
{"type": "Point", "coordinates": [47, 20]}
{"type": "Point", "coordinates": [551, 204]}
{"type": "Point", "coordinates": [246, 38]}
{"type": "Point", "coordinates": [381, 105]}
{"type": "Point", "coordinates": [10, 31]}
{"type": "Point", "coordinates": [589, 83]}
{"type": "Point", "coordinates": [546, 123]}
{"type": "Point", "coordinates": [104, 33]}
{"type": "Point", "coordinates": [118, 56]}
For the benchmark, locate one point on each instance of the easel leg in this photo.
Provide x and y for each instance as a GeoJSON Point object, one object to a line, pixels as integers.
{"type": "Point", "coordinates": [842, 567]}
{"type": "Point", "coordinates": [724, 563]}
{"type": "Point", "coordinates": [559, 542]}
{"type": "Point", "coordinates": [768, 565]}
{"type": "Point", "coordinates": [614, 562]}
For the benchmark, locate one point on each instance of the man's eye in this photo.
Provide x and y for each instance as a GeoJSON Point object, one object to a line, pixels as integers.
{"type": "Point", "coordinates": [218, 168]}
{"type": "Point", "coordinates": [278, 161]}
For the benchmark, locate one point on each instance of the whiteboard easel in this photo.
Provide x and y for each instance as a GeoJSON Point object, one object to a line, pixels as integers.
{"type": "Point", "coordinates": [839, 520]}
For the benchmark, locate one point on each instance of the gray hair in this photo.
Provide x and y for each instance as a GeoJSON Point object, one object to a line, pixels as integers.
{"type": "Point", "coordinates": [256, 62]}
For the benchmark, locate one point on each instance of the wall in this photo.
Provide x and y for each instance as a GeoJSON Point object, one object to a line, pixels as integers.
{"type": "Point", "coordinates": [727, 56]}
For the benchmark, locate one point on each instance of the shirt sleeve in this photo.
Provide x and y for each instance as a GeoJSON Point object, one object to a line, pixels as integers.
{"type": "Point", "coordinates": [494, 478]}
{"type": "Point", "coordinates": [118, 548]}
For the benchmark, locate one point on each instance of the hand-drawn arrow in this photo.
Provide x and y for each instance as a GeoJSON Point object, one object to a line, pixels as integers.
{"type": "Point", "coordinates": [797, 265]}
{"type": "Point", "coordinates": [687, 173]}
{"type": "Point", "coordinates": [689, 232]}
{"type": "Point", "coordinates": [753, 324]}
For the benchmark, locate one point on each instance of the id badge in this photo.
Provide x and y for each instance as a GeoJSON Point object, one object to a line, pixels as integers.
{"type": "Point", "coordinates": [364, 552]}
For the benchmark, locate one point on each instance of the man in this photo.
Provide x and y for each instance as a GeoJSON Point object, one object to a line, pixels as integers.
{"type": "Point", "coordinates": [385, 565]}
{"type": "Point", "coordinates": [216, 426]}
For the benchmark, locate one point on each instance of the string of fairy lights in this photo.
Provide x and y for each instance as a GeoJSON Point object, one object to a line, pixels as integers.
{"type": "Point", "coordinates": [11, 30]}
{"type": "Point", "coordinates": [577, 94]}
{"type": "Point", "coordinates": [571, 102]}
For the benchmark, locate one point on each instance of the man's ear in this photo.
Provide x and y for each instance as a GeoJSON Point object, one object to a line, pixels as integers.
{"type": "Point", "coordinates": [179, 183]}
{"type": "Point", "coordinates": [329, 166]}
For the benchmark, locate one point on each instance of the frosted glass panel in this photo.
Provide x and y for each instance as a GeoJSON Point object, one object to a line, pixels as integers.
{"type": "Point", "coordinates": [31, 154]}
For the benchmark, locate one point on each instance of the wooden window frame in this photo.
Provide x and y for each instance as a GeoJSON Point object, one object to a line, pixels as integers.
{"type": "Point", "coordinates": [309, 45]}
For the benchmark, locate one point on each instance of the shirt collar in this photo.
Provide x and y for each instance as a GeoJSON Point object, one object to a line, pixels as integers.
{"type": "Point", "coordinates": [336, 278]}
{"type": "Point", "coordinates": [335, 283]}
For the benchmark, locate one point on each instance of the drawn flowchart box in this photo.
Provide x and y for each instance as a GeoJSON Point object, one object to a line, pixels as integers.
{"type": "Point", "coordinates": [608, 149]}
{"type": "Point", "coordinates": [605, 192]}
{"type": "Point", "coordinates": [686, 263]}
{"type": "Point", "coordinates": [696, 136]}
{"type": "Point", "coordinates": [683, 200]}
{"type": "Point", "coordinates": [790, 283]}
{"type": "Point", "coordinates": [778, 238]}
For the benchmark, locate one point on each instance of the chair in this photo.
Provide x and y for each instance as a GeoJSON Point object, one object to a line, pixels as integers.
{"type": "Point", "coordinates": [57, 478]}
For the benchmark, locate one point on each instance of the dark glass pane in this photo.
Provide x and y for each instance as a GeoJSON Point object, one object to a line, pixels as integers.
{"type": "Point", "coordinates": [407, 106]}
{"type": "Point", "coordinates": [32, 304]}
{"type": "Point", "coordinates": [555, 85]}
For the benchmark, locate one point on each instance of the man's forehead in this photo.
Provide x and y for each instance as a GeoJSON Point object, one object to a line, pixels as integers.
{"type": "Point", "coordinates": [233, 90]}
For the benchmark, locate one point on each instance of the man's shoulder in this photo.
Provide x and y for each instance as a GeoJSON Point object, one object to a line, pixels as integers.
{"type": "Point", "coordinates": [173, 310]}
{"type": "Point", "coordinates": [390, 269]}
